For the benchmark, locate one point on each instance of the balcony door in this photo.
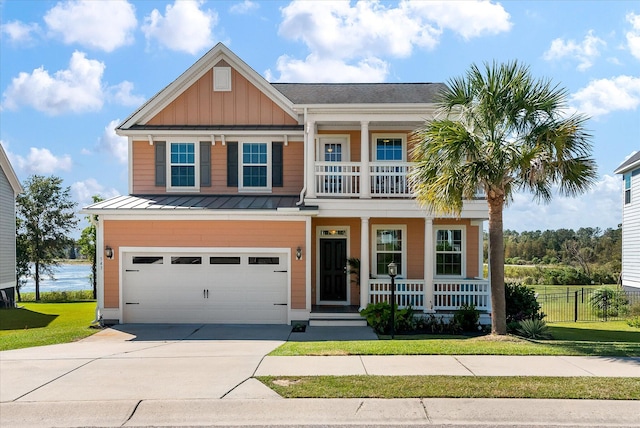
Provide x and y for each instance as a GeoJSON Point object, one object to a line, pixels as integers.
{"type": "Point", "coordinates": [334, 151]}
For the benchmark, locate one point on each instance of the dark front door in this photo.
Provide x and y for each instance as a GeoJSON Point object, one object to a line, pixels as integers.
{"type": "Point", "coordinates": [333, 276]}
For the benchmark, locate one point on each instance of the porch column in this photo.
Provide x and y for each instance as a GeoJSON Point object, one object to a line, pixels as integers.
{"type": "Point", "coordinates": [365, 181]}
{"type": "Point", "coordinates": [428, 266]}
{"type": "Point", "coordinates": [311, 158]}
{"type": "Point", "coordinates": [364, 262]}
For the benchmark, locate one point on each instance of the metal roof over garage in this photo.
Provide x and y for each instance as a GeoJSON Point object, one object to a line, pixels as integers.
{"type": "Point", "coordinates": [199, 202]}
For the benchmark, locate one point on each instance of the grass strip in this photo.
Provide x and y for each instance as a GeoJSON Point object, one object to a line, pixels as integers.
{"type": "Point", "coordinates": [38, 324]}
{"type": "Point", "coordinates": [596, 388]}
{"type": "Point", "coordinates": [456, 345]}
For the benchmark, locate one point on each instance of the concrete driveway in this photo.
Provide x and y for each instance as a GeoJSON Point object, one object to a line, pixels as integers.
{"type": "Point", "coordinates": [138, 362]}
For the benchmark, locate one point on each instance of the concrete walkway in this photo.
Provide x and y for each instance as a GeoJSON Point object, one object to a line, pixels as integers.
{"type": "Point", "coordinates": [203, 375]}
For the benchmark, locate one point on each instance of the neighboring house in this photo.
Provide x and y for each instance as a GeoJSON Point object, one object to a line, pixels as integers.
{"type": "Point", "coordinates": [246, 199]}
{"type": "Point", "coordinates": [9, 188]}
{"type": "Point", "coordinates": [630, 171]}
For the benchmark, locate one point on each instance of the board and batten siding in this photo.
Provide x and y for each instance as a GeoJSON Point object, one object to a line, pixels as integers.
{"type": "Point", "coordinates": [7, 233]}
{"type": "Point", "coordinates": [631, 233]}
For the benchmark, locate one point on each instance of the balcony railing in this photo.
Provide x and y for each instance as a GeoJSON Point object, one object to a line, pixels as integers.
{"type": "Point", "coordinates": [448, 295]}
{"type": "Point", "coordinates": [388, 179]}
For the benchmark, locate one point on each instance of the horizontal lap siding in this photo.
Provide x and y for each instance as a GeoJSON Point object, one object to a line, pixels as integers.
{"type": "Point", "coordinates": [631, 233]}
{"type": "Point", "coordinates": [201, 233]}
{"type": "Point", "coordinates": [144, 181]}
{"type": "Point", "coordinates": [7, 233]}
{"type": "Point", "coordinates": [472, 267]}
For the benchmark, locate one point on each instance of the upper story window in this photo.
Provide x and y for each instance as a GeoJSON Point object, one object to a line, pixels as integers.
{"type": "Point", "coordinates": [390, 246]}
{"type": "Point", "coordinates": [627, 188]}
{"type": "Point", "coordinates": [389, 147]}
{"type": "Point", "coordinates": [255, 165]}
{"type": "Point", "coordinates": [183, 165]}
{"type": "Point", "coordinates": [449, 252]}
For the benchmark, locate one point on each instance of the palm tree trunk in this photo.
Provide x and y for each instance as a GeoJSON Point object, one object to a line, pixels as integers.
{"type": "Point", "coordinates": [496, 263]}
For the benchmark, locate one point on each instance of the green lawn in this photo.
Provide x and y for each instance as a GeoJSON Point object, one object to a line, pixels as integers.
{"type": "Point", "coordinates": [37, 324]}
{"type": "Point", "coordinates": [454, 387]}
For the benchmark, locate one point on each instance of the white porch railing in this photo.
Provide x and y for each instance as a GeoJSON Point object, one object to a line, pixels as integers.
{"type": "Point", "coordinates": [409, 292]}
{"type": "Point", "coordinates": [389, 179]}
{"type": "Point", "coordinates": [451, 294]}
{"type": "Point", "coordinates": [338, 178]}
{"type": "Point", "coordinates": [448, 295]}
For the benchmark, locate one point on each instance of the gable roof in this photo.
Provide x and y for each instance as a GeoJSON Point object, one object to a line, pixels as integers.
{"type": "Point", "coordinates": [360, 93]}
{"type": "Point", "coordinates": [6, 167]}
{"type": "Point", "coordinates": [632, 163]}
{"type": "Point", "coordinates": [218, 53]}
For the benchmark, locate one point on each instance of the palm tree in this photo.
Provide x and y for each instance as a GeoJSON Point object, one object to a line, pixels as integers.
{"type": "Point", "coordinates": [499, 130]}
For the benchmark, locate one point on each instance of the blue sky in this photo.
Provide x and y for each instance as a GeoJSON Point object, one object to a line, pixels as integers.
{"type": "Point", "coordinates": [72, 70]}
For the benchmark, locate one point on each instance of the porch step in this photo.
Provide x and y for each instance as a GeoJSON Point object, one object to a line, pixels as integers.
{"type": "Point", "coordinates": [337, 322]}
{"type": "Point", "coordinates": [336, 319]}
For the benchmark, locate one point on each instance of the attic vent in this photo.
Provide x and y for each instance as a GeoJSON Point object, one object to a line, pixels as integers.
{"type": "Point", "coordinates": [221, 78]}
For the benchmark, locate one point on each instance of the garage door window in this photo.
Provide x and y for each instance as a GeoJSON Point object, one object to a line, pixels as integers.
{"type": "Point", "coordinates": [264, 260]}
{"type": "Point", "coordinates": [147, 260]}
{"type": "Point", "coordinates": [188, 260]}
{"type": "Point", "coordinates": [224, 260]}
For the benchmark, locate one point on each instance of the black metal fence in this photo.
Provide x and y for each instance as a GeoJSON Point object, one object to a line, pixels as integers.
{"type": "Point", "coordinates": [588, 305]}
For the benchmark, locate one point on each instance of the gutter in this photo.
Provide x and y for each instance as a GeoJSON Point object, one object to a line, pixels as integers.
{"type": "Point", "coordinates": [304, 173]}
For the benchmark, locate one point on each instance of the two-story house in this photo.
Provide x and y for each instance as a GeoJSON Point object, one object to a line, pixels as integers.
{"type": "Point", "coordinates": [630, 171]}
{"type": "Point", "coordinates": [246, 199]}
{"type": "Point", "coordinates": [9, 188]}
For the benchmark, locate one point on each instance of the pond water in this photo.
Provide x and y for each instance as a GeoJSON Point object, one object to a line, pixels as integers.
{"type": "Point", "coordinates": [68, 277]}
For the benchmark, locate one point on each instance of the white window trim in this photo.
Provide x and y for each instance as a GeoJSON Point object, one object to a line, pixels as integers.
{"type": "Point", "coordinates": [196, 151]}
{"type": "Point", "coordinates": [334, 138]}
{"type": "Point", "coordinates": [346, 234]}
{"type": "Point", "coordinates": [258, 140]}
{"type": "Point", "coordinates": [374, 251]}
{"type": "Point", "coordinates": [374, 144]}
{"type": "Point", "coordinates": [463, 228]}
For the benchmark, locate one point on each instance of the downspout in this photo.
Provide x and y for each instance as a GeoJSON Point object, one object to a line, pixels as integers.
{"type": "Point", "coordinates": [304, 141]}
{"type": "Point", "coordinates": [97, 317]}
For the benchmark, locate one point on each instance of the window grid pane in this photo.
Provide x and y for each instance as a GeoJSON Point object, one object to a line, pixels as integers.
{"type": "Point", "coordinates": [254, 169]}
{"type": "Point", "coordinates": [449, 252]}
{"type": "Point", "coordinates": [388, 249]}
{"type": "Point", "coordinates": [183, 176]}
{"type": "Point", "coordinates": [389, 149]}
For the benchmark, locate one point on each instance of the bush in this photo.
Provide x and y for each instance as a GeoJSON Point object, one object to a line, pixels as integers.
{"type": "Point", "coordinates": [378, 316]}
{"type": "Point", "coordinates": [467, 317]}
{"type": "Point", "coordinates": [432, 324]}
{"type": "Point", "coordinates": [58, 296]}
{"type": "Point", "coordinates": [634, 322]}
{"type": "Point", "coordinates": [534, 329]}
{"type": "Point", "coordinates": [609, 302]}
{"type": "Point", "coordinates": [521, 303]}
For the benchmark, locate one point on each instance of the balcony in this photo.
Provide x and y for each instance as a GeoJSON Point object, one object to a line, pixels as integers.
{"type": "Point", "coordinates": [386, 179]}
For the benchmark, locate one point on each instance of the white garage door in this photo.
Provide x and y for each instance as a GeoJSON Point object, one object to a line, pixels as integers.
{"type": "Point", "coordinates": [230, 288]}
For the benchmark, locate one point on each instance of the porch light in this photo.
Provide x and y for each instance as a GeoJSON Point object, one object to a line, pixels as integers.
{"type": "Point", "coordinates": [393, 271]}
{"type": "Point", "coordinates": [108, 251]}
{"type": "Point", "coordinates": [298, 253]}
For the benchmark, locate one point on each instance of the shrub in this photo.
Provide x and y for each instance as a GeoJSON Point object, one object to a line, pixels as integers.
{"type": "Point", "coordinates": [609, 302]}
{"type": "Point", "coordinates": [534, 329]}
{"type": "Point", "coordinates": [634, 322]}
{"type": "Point", "coordinates": [432, 324]}
{"type": "Point", "coordinates": [467, 317]}
{"type": "Point", "coordinates": [521, 303]}
{"type": "Point", "coordinates": [58, 296]}
{"type": "Point", "coordinates": [378, 316]}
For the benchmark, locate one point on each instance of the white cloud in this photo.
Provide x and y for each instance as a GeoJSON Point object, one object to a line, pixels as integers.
{"type": "Point", "coordinates": [633, 36]}
{"type": "Point", "coordinates": [121, 93]}
{"type": "Point", "coordinates": [184, 27]}
{"type": "Point", "coordinates": [357, 37]}
{"type": "Point", "coordinates": [112, 143]}
{"type": "Point", "coordinates": [584, 52]}
{"type": "Point", "coordinates": [83, 191]}
{"type": "Point", "coordinates": [77, 89]}
{"type": "Point", "coordinates": [314, 69]}
{"type": "Point", "coordinates": [42, 161]}
{"type": "Point", "coordinates": [599, 207]}
{"type": "Point", "coordinates": [104, 25]}
{"type": "Point", "coordinates": [604, 96]}
{"type": "Point", "coordinates": [19, 32]}
{"type": "Point", "coordinates": [243, 7]}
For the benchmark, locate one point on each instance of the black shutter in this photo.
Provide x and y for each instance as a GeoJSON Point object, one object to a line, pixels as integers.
{"type": "Point", "coordinates": [276, 165]}
{"type": "Point", "coordinates": [205, 164]}
{"type": "Point", "coordinates": [161, 163]}
{"type": "Point", "coordinates": [232, 164]}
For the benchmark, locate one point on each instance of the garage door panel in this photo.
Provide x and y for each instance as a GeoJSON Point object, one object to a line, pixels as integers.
{"type": "Point", "coordinates": [218, 288]}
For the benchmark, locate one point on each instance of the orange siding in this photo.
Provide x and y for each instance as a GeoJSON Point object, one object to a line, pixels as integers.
{"type": "Point", "coordinates": [472, 252]}
{"type": "Point", "coordinates": [144, 168]}
{"type": "Point", "coordinates": [201, 233]}
{"type": "Point", "coordinates": [245, 104]}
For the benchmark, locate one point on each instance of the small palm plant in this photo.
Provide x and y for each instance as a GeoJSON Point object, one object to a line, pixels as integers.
{"type": "Point", "coordinates": [534, 329]}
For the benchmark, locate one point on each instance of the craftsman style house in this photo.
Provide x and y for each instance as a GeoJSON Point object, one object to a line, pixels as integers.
{"type": "Point", "coordinates": [9, 188]}
{"type": "Point", "coordinates": [630, 171]}
{"type": "Point", "coordinates": [247, 199]}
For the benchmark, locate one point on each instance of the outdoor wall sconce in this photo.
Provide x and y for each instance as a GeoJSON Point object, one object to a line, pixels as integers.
{"type": "Point", "coordinates": [108, 251]}
{"type": "Point", "coordinates": [298, 253]}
